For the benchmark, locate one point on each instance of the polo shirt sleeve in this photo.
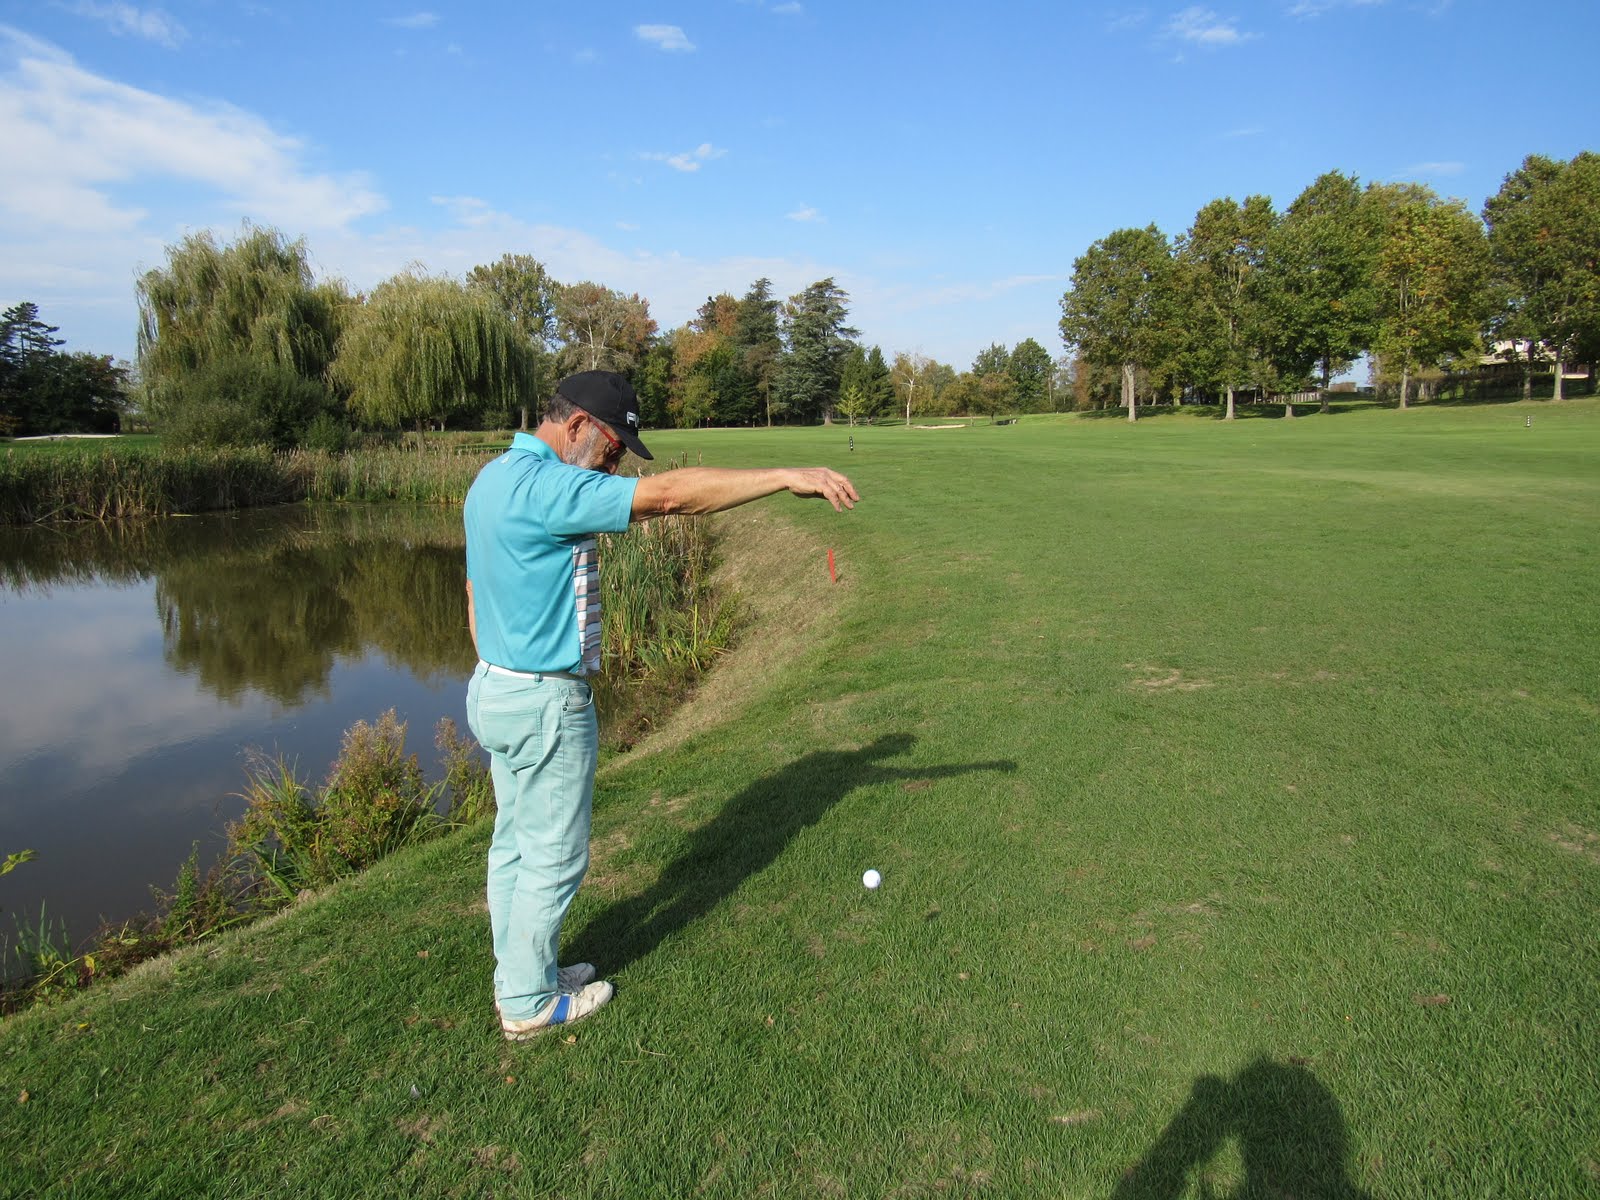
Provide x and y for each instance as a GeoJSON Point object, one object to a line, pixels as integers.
{"type": "Point", "coordinates": [577, 502]}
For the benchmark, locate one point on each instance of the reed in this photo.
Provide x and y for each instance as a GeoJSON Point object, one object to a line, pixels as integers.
{"type": "Point", "coordinates": [113, 484]}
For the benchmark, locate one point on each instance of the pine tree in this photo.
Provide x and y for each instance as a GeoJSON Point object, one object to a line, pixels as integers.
{"type": "Point", "coordinates": [807, 384]}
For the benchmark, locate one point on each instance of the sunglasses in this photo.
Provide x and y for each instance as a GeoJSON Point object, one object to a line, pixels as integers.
{"type": "Point", "coordinates": [617, 450]}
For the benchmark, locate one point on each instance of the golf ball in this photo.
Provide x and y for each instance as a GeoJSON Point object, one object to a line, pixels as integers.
{"type": "Point", "coordinates": [871, 879]}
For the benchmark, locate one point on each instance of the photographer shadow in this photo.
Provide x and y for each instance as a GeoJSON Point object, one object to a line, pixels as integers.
{"type": "Point", "coordinates": [1291, 1135]}
{"type": "Point", "coordinates": [744, 838]}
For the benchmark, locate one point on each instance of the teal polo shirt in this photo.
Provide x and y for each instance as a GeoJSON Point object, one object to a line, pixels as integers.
{"type": "Point", "coordinates": [531, 522]}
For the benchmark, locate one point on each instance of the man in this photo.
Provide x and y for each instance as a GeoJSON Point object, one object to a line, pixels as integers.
{"type": "Point", "coordinates": [533, 606]}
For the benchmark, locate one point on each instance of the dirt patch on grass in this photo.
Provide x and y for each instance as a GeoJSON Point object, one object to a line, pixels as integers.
{"type": "Point", "coordinates": [1159, 679]}
{"type": "Point", "coordinates": [423, 1128]}
{"type": "Point", "coordinates": [289, 1108]}
{"type": "Point", "coordinates": [786, 600]}
{"type": "Point", "coordinates": [1575, 839]}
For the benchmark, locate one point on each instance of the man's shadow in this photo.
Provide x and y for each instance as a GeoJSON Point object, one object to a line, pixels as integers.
{"type": "Point", "coordinates": [1291, 1136]}
{"type": "Point", "coordinates": [744, 838]}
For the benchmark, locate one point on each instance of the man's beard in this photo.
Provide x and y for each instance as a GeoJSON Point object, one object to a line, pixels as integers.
{"type": "Point", "coordinates": [586, 454]}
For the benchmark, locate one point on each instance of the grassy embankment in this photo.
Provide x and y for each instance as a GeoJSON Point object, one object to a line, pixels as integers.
{"type": "Point", "coordinates": [1233, 788]}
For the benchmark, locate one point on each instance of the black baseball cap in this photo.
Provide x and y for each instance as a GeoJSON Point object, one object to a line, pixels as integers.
{"type": "Point", "coordinates": [608, 397]}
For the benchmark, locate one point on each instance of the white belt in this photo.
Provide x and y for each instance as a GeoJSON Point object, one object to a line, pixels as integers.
{"type": "Point", "coordinates": [534, 675]}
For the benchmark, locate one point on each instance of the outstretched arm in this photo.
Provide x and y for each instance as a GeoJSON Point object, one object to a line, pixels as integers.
{"type": "Point", "coordinates": [695, 490]}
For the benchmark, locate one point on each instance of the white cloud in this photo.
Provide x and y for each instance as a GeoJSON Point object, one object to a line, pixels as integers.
{"type": "Point", "coordinates": [419, 20]}
{"type": "Point", "coordinates": [1431, 168]}
{"type": "Point", "coordinates": [666, 37]}
{"type": "Point", "coordinates": [1121, 22]}
{"type": "Point", "coordinates": [1202, 27]}
{"type": "Point", "coordinates": [792, 9]}
{"type": "Point", "coordinates": [805, 213]}
{"type": "Point", "coordinates": [689, 160]}
{"type": "Point", "coordinates": [70, 138]}
{"type": "Point", "coordinates": [675, 284]}
{"type": "Point", "coordinates": [152, 24]}
{"type": "Point", "coordinates": [1315, 8]}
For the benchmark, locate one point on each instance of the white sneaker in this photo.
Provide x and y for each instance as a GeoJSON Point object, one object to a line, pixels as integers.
{"type": "Point", "coordinates": [570, 979]}
{"type": "Point", "coordinates": [563, 1010]}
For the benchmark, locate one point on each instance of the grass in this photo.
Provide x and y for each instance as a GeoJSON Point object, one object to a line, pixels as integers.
{"type": "Point", "coordinates": [130, 479]}
{"type": "Point", "coordinates": [1233, 788]}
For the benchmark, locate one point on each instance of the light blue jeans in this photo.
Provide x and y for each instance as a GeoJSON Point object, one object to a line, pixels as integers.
{"type": "Point", "coordinates": [543, 743]}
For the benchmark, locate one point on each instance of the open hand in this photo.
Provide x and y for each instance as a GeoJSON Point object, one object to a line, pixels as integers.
{"type": "Point", "coordinates": [820, 481]}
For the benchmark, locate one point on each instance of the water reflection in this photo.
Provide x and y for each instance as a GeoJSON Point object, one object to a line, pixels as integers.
{"type": "Point", "coordinates": [269, 601]}
{"type": "Point", "coordinates": [117, 644]}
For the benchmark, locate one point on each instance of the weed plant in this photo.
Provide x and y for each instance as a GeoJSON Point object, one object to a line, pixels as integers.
{"type": "Point", "coordinates": [291, 840]}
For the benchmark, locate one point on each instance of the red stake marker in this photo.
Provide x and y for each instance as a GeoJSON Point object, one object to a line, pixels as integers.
{"type": "Point", "coordinates": [832, 574]}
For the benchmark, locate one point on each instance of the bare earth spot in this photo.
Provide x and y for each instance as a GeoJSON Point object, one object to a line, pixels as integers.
{"type": "Point", "coordinates": [917, 785]}
{"type": "Point", "coordinates": [1575, 839]}
{"type": "Point", "coordinates": [1143, 943]}
{"type": "Point", "coordinates": [422, 1127]}
{"type": "Point", "coordinates": [1163, 678]}
{"type": "Point", "coordinates": [1082, 1117]}
{"type": "Point", "coordinates": [1438, 1001]}
{"type": "Point", "coordinates": [289, 1108]}
{"type": "Point", "coordinates": [493, 1158]}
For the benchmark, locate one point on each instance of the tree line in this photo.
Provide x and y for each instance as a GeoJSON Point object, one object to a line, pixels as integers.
{"type": "Point", "coordinates": [240, 343]}
{"type": "Point", "coordinates": [44, 391]}
{"type": "Point", "coordinates": [1250, 301]}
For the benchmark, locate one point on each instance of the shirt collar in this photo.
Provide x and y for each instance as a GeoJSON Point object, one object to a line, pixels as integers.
{"type": "Point", "coordinates": [526, 441]}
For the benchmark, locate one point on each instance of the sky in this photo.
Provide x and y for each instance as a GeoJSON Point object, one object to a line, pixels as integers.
{"type": "Point", "coordinates": [944, 163]}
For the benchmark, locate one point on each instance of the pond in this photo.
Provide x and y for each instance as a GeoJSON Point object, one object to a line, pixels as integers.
{"type": "Point", "coordinates": [141, 662]}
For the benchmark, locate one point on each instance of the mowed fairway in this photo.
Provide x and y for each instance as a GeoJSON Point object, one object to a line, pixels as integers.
{"type": "Point", "coordinates": [1234, 789]}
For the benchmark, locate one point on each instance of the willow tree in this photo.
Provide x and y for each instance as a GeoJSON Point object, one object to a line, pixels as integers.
{"type": "Point", "coordinates": [424, 347]}
{"type": "Point", "coordinates": [251, 309]}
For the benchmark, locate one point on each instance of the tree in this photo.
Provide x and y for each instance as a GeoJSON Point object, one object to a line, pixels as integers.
{"type": "Point", "coordinates": [807, 384]}
{"type": "Point", "coordinates": [994, 394]}
{"type": "Point", "coordinates": [652, 380]}
{"type": "Point", "coordinates": [1432, 286]}
{"type": "Point", "coordinates": [1218, 267]}
{"type": "Point", "coordinates": [1319, 298]}
{"type": "Point", "coordinates": [1114, 314]}
{"type": "Point", "coordinates": [45, 391]}
{"type": "Point", "coordinates": [423, 347]}
{"type": "Point", "coordinates": [1030, 369]}
{"type": "Point", "coordinates": [249, 308]}
{"type": "Point", "coordinates": [527, 293]}
{"type": "Point", "coordinates": [865, 376]}
{"type": "Point", "coordinates": [960, 394]}
{"type": "Point", "coordinates": [879, 384]}
{"type": "Point", "coordinates": [1544, 236]}
{"type": "Point", "coordinates": [602, 329]}
{"type": "Point", "coordinates": [992, 360]}
{"type": "Point", "coordinates": [757, 338]}
{"type": "Point", "coordinates": [909, 377]}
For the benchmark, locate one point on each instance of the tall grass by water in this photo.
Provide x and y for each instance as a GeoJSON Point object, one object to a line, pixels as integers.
{"type": "Point", "coordinates": [101, 482]}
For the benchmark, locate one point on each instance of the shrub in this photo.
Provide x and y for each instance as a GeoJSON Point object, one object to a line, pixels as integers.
{"type": "Point", "coordinates": [238, 402]}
